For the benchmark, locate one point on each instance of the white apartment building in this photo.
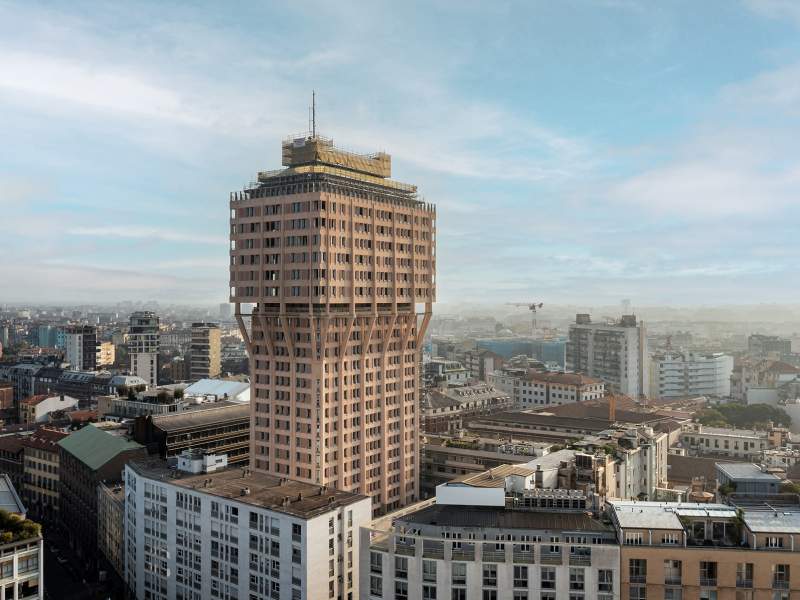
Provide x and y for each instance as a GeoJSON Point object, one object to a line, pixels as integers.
{"type": "Point", "coordinates": [530, 389]}
{"type": "Point", "coordinates": [721, 441]}
{"type": "Point", "coordinates": [469, 543]}
{"type": "Point", "coordinates": [22, 552]}
{"type": "Point", "coordinates": [685, 374]}
{"type": "Point", "coordinates": [238, 535]}
{"type": "Point", "coordinates": [143, 344]}
{"type": "Point", "coordinates": [615, 352]}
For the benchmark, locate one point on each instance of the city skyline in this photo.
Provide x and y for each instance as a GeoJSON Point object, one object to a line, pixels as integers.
{"type": "Point", "coordinates": [624, 152]}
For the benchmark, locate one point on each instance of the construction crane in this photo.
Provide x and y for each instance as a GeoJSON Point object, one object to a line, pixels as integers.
{"type": "Point", "coordinates": [533, 307]}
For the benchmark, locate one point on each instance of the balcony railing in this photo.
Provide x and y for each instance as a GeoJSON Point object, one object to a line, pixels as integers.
{"type": "Point", "coordinates": [744, 583]}
{"type": "Point", "coordinates": [405, 549]}
{"type": "Point", "coordinates": [460, 554]}
{"type": "Point", "coordinates": [580, 560]}
{"type": "Point", "coordinates": [494, 555]}
{"type": "Point", "coordinates": [780, 584]}
{"type": "Point", "coordinates": [672, 581]}
{"type": "Point", "coordinates": [523, 556]}
{"type": "Point", "coordinates": [551, 558]}
{"type": "Point", "coordinates": [708, 582]}
{"type": "Point", "coordinates": [638, 578]}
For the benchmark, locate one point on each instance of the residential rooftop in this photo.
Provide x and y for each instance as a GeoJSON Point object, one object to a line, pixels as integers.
{"type": "Point", "coordinates": [304, 500]}
{"type": "Point", "coordinates": [95, 447]}
{"type": "Point", "coordinates": [746, 472]}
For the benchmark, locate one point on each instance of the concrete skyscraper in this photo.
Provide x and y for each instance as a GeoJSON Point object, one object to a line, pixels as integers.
{"type": "Point", "coordinates": [338, 262]}
{"type": "Point", "coordinates": [143, 343]}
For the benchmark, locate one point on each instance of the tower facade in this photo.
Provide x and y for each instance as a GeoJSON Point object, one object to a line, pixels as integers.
{"type": "Point", "coordinates": [143, 343]}
{"type": "Point", "coordinates": [206, 351]}
{"type": "Point", "coordinates": [338, 263]}
{"type": "Point", "coordinates": [81, 348]}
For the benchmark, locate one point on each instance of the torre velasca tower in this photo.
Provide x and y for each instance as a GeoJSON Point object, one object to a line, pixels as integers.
{"type": "Point", "coordinates": [338, 264]}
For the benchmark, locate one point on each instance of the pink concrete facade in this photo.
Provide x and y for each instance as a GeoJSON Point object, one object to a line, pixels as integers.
{"type": "Point", "coordinates": [339, 267]}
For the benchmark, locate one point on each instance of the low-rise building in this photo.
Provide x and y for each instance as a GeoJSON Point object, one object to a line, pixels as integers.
{"type": "Point", "coordinates": [747, 479]}
{"type": "Point", "coordinates": [444, 408]}
{"type": "Point", "coordinates": [440, 370]}
{"type": "Point", "coordinates": [37, 409]}
{"type": "Point", "coordinates": [534, 388]}
{"type": "Point", "coordinates": [700, 440]}
{"type": "Point", "coordinates": [494, 536]}
{"type": "Point", "coordinates": [236, 534]}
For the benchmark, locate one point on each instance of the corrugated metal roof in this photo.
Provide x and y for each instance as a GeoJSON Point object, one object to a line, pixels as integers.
{"type": "Point", "coordinates": [94, 447]}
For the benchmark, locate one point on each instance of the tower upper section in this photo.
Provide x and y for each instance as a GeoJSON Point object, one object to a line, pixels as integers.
{"type": "Point", "coordinates": [331, 231]}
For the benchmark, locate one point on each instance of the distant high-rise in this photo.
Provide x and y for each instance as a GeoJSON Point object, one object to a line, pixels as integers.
{"type": "Point", "coordinates": [615, 352]}
{"type": "Point", "coordinates": [81, 348]}
{"type": "Point", "coordinates": [225, 311]}
{"type": "Point", "coordinates": [143, 344]}
{"type": "Point", "coordinates": [206, 351]}
{"type": "Point", "coordinates": [336, 259]}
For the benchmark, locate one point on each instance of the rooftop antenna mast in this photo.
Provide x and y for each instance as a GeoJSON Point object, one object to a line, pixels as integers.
{"type": "Point", "coordinates": [313, 113]}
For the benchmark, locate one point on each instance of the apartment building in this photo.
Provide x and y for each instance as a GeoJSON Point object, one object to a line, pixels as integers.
{"type": "Point", "coordinates": [706, 551]}
{"type": "Point", "coordinates": [106, 354]}
{"type": "Point", "coordinates": [206, 351]}
{"type": "Point", "coordinates": [687, 374]}
{"type": "Point", "coordinates": [441, 370]}
{"type": "Point", "coordinates": [444, 408]}
{"type": "Point", "coordinates": [111, 525]}
{"type": "Point", "coordinates": [491, 537]}
{"type": "Point", "coordinates": [87, 457]}
{"type": "Point", "coordinates": [41, 468]}
{"type": "Point", "coordinates": [81, 347]}
{"type": "Point", "coordinates": [21, 549]}
{"type": "Point", "coordinates": [143, 346]}
{"type": "Point", "coordinates": [481, 363]}
{"type": "Point", "coordinates": [207, 532]}
{"type": "Point", "coordinates": [338, 261]}
{"type": "Point", "coordinates": [615, 352]}
{"type": "Point", "coordinates": [531, 388]}
{"type": "Point", "coordinates": [700, 440]}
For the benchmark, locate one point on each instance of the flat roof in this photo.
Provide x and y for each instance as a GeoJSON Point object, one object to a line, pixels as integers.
{"type": "Point", "coordinates": [502, 518]}
{"type": "Point", "coordinates": [746, 471]}
{"type": "Point", "coordinates": [204, 414]}
{"type": "Point", "coordinates": [493, 478]}
{"type": "Point", "coordinates": [304, 500]}
{"type": "Point", "coordinates": [664, 515]}
{"type": "Point", "coordinates": [216, 387]}
{"type": "Point", "coordinates": [765, 521]}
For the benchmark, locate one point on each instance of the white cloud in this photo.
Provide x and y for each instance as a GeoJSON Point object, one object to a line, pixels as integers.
{"type": "Point", "coordinates": [150, 233]}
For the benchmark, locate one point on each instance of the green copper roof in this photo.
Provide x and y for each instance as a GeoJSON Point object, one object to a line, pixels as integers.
{"type": "Point", "coordinates": [94, 447]}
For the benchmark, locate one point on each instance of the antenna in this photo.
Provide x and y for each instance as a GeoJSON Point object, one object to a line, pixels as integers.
{"type": "Point", "coordinates": [313, 113]}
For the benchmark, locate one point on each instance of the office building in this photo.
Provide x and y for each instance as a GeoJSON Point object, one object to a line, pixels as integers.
{"type": "Point", "coordinates": [143, 345]}
{"type": "Point", "coordinates": [687, 374]}
{"type": "Point", "coordinates": [21, 549]}
{"type": "Point", "coordinates": [221, 427]}
{"type": "Point", "coordinates": [615, 352]}
{"type": "Point", "coordinates": [81, 347]}
{"type": "Point", "coordinates": [209, 532]}
{"type": "Point", "coordinates": [206, 346]}
{"type": "Point", "coordinates": [337, 260]}
{"type": "Point", "coordinates": [492, 536]}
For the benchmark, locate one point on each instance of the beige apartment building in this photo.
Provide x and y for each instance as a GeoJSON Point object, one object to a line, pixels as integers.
{"type": "Point", "coordinates": [206, 351]}
{"type": "Point", "coordinates": [338, 263]}
{"type": "Point", "coordinates": [690, 551]}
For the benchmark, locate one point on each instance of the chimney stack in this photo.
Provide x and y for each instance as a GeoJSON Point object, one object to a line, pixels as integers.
{"type": "Point", "coordinates": [612, 408]}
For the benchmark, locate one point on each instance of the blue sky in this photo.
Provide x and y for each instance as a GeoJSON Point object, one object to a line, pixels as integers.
{"type": "Point", "coordinates": [579, 151]}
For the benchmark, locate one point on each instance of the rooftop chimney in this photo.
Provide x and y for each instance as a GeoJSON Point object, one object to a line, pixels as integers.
{"type": "Point", "coordinates": [612, 408]}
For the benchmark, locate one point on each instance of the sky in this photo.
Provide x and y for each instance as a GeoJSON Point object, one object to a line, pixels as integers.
{"type": "Point", "coordinates": [580, 151]}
